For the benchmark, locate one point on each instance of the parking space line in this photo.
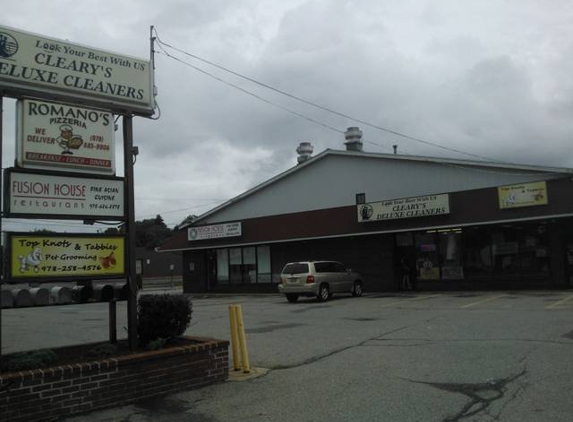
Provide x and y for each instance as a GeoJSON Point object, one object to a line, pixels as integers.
{"type": "Point", "coordinates": [481, 301]}
{"type": "Point", "coordinates": [556, 304]}
{"type": "Point", "coordinates": [409, 300]}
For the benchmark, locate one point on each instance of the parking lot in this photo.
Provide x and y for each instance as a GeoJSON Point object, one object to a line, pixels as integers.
{"type": "Point", "coordinates": [454, 356]}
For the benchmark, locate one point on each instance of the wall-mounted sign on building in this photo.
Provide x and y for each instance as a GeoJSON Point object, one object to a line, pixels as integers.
{"type": "Point", "coordinates": [524, 195]}
{"type": "Point", "coordinates": [420, 206]}
{"type": "Point", "coordinates": [214, 231]}
{"type": "Point", "coordinates": [44, 67]}
{"type": "Point", "coordinates": [69, 138]}
{"type": "Point", "coordinates": [33, 194]}
{"type": "Point", "coordinates": [66, 256]}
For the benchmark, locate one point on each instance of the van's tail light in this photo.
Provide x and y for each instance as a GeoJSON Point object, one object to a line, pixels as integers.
{"type": "Point", "coordinates": [309, 279]}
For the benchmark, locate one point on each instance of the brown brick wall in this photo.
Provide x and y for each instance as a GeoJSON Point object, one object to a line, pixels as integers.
{"type": "Point", "coordinates": [48, 394]}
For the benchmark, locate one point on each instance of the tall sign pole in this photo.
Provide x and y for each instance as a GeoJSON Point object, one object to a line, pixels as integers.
{"type": "Point", "coordinates": [130, 231]}
{"type": "Point", "coordinates": [2, 272]}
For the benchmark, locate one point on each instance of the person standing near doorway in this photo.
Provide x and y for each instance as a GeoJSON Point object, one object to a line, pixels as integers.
{"type": "Point", "coordinates": [409, 277]}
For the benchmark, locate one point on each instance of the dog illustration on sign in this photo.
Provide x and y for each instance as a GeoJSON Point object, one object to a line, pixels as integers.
{"type": "Point", "coordinates": [32, 260]}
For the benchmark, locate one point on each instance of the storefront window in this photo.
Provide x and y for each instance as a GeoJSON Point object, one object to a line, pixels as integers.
{"type": "Point", "coordinates": [236, 265]}
{"type": "Point", "coordinates": [223, 266]}
{"type": "Point", "coordinates": [451, 254]}
{"type": "Point", "coordinates": [502, 252]}
{"type": "Point", "coordinates": [477, 253]}
{"type": "Point", "coordinates": [249, 265]}
{"type": "Point", "coordinates": [264, 264]}
{"type": "Point", "coordinates": [427, 261]}
{"type": "Point", "coordinates": [534, 251]}
{"type": "Point", "coordinates": [505, 252]}
{"type": "Point", "coordinates": [244, 265]}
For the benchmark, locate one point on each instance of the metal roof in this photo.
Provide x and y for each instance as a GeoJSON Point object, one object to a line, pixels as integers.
{"type": "Point", "coordinates": [488, 165]}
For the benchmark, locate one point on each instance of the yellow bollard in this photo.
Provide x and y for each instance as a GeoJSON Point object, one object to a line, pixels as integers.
{"type": "Point", "coordinates": [234, 337]}
{"type": "Point", "coordinates": [242, 340]}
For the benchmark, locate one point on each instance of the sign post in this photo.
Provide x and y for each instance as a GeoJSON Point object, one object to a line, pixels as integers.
{"type": "Point", "coordinates": [1, 213]}
{"type": "Point", "coordinates": [130, 232]}
{"type": "Point", "coordinates": [67, 97]}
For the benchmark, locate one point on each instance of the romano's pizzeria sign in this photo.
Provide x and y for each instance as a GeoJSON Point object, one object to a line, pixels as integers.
{"type": "Point", "coordinates": [67, 138]}
{"type": "Point", "coordinates": [45, 68]}
{"type": "Point", "coordinates": [420, 206]}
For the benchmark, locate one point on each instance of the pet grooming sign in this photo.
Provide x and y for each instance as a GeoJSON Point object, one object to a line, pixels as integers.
{"type": "Point", "coordinates": [63, 256]}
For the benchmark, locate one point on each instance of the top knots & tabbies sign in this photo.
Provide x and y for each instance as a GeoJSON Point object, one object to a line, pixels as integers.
{"type": "Point", "coordinates": [47, 68]}
{"type": "Point", "coordinates": [523, 195]}
{"type": "Point", "coordinates": [420, 206]}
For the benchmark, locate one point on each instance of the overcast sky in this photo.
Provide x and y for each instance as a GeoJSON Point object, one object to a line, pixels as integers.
{"type": "Point", "coordinates": [492, 78]}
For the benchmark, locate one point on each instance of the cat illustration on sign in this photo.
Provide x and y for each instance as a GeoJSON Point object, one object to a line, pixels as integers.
{"type": "Point", "coordinates": [108, 261]}
{"type": "Point", "coordinates": [32, 260]}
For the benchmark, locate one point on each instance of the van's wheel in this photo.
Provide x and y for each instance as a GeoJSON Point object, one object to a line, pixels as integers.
{"type": "Point", "coordinates": [292, 298]}
{"type": "Point", "coordinates": [323, 293]}
{"type": "Point", "coordinates": [357, 289]}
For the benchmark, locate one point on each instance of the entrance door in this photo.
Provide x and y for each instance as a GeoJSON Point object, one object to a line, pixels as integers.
{"type": "Point", "coordinates": [427, 256]}
{"type": "Point", "coordinates": [211, 259]}
{"type": "Point", "coordinates": [569, 261]}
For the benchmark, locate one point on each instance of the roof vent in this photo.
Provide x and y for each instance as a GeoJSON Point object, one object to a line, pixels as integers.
{"type": "Point", "coordinates": [304, 151]}
{"type": "Point", "coordinates": [353, 136]}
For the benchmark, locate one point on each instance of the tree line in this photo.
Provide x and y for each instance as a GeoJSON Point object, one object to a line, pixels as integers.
{"type": "Point", "coordinates": [152, 232]}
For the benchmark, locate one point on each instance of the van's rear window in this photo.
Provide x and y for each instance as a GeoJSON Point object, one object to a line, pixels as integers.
{"type": "Point", "coordinates": [295, 268]}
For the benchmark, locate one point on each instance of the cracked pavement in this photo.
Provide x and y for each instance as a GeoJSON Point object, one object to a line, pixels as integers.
{"type": "Point", "coordinates": [412, 357]}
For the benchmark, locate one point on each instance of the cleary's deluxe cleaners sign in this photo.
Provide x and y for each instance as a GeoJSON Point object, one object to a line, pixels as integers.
{"type": "Point", "coordinates": [420, 206]}
{"type": "Point", "coordinates": [34, 64]}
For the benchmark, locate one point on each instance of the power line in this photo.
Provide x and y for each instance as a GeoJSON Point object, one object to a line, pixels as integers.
{"type": "Point", "coordinates": [321, 107]}
{"type": "Point", "coordinates": [310, 119]}
{"type": "Point", "coordinates": [180, 210]}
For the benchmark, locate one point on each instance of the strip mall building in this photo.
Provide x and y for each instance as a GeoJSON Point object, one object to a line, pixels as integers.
{"type": "Point", "coordinates": [469, 224]}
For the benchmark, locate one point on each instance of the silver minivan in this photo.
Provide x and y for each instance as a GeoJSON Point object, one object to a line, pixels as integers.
{"type": "Point", "coordinates": [318, 278]}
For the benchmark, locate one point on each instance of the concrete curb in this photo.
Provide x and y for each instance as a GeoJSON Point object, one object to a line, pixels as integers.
{"type": "Point", "coordinates": [238, 376]}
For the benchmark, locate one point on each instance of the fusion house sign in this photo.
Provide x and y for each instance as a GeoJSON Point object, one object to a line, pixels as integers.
{"type": "Point", "coordinates": [46, 67]}
{"type": "Point", "coordinates": [420, 206]}
{"type": "Point", "coordinates": [31, 194]}
{"type": "Point", "coordinates": [214, 231]}
{"type": "Point", "coordinates": [70, 138]}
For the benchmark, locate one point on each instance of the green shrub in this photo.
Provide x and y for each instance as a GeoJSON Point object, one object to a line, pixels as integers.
{"type": "Point", "coordinates": [156, 344]}
{"type": "Point", "coordinates": [162, 316]}
{"type": "Point", "coordinates": [35, 359]}
{"type": "Point", "coordinates": [103, 351]}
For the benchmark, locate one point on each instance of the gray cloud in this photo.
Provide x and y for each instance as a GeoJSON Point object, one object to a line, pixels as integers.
{"type": "Point", "coordinates": [489, 78]}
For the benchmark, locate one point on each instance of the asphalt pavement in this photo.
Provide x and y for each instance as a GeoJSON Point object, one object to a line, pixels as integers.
{"type": "Point", "coordinates": [454, 356]}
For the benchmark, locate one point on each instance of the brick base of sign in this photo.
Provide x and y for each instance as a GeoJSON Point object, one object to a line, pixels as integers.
{"type": "Point", "coordinates": [48, 394]}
